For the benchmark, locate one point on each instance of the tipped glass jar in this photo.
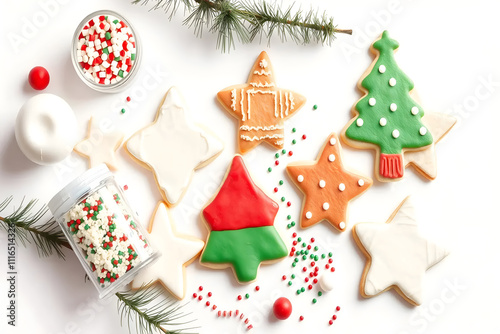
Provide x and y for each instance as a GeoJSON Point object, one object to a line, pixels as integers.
{"type": "Point", "coordinates": [102, 229]}
{"type": "Point", "coordinates": [106, 51]}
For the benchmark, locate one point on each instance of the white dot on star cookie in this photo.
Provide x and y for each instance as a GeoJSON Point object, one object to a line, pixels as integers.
{"type": "Point", "coordinates": [177, 252]}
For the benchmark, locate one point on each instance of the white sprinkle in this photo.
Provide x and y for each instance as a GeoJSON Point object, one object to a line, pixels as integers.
{"type": "Point", "coordinates": [414, 110]}
{"type": "Point", "coordinates": [383, 122]}
{"type": "Point", "coordinates": [361, 182]}
{"type": "Point", "coordinates": [331, 158]}
{"type": "Point", "coordinates": [309, 214]}
{"type": "Point", "coordinates": [423, 131]}
{"type": "Point", "coordinates": [326, 206]}
{"type": "Point", "coordinates": [341, 187]}
{"type": "Point", "coordinates": [322, 183]}
{"type": "Point", "coordinates": [392, 82]}
{"type": "Point", "coordinates": [372, 101]}
{"type": "Point", "coordinates": [359, 122]}
{"type": "Point", "coordinates": [342, 225]}
{"type": "Point", "coordinates": [300, 178]}
{"type": "Point", "coordinates": [333, 141]}
{"type": "Point", "coordinates": [393, 107]}
{"type": "Point", "coordinates": [381, 68]}
{"type": "Point", "coordinates": [395, 133]}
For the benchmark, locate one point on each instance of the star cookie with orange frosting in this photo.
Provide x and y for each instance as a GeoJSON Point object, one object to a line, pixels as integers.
{"type": "Point", "coordinates": [260, 106]}
{"type": "Point", "coordinates": [327, 185]}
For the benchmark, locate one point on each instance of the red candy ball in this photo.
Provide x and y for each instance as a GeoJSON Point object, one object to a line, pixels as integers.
{"type": "Point", "coordinates": [39, 78]}
{"type": "Point", "coordinates": [282, 308]}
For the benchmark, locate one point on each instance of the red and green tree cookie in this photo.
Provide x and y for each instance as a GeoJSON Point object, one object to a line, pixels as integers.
{"type": "Point", "coordinates": [387, 116]}
{"type": "Point", "coordinates": [241, 222]}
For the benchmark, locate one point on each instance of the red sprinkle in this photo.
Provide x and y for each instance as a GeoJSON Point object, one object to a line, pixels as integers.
{"type": "Point", "coordinates": [195, 295]}
{"type": "Point", "coordinates": [330, 322]}
{"type": "Point", "coordinates": [327, 266]}
{"type": "Point", "coordinates": [219, 313]}
{"type": "Point", "coordinates": [292, 253]}
{"type": "Point", "coordinates": [239, 297]}
{"type": "Point", "coordinates": [236, 313]}
{"type": "Point", "coordinates": [289, 203]}
{"type": "Point", "coordinates": [338, 308]}
{"type": "Point", "coordinates": [209, 294]}
{"type": "Point", "coordinates": [309, 247]}
{"type": "Point", "coordinates": [301, 318]}
{"type": "Point", "coordinates": [310, 287]}
{"type": "Point", "coordinates": [125, 187]}
{"type": "Point", "coordinates": [333, 269]}
{"type": "Point", "coordinates": [283, 277]}
{"type": "Point", "coordinates": [257, 288]}
{"type": "Point", "coordinates": [334, 317]}
{"type": "Point", "coordinates": [293, 249]}
{"type": "Point", "coordinates": [304, 269]}
{"type": "Point", "coordinates": [315, 280]}
{"type": "Point", "coordinates": [249, 327]}
{"type": "Point", "coordinates": [225, 313]}
{"type": "Point", "coordinates": [304, 137]}
{"type": "Point", "coordinates": [290, 153]}
{"type": "Point", "coordinates": [312, 239]}
{"type": "Point", "coordinates": [294, 234]}
{"type": "Point", "coordinates": [277, 162]}
{"type": "Point", "coordinates": [294, 242]}
{"type": "Point", "coordinates": [200, 288]}
{"type": "Point", "coordinates": [276, 189]}
{"type": "Point", "coordinates": [306, 279]}
{"type": "Point", "coordinates": [214, 307]}
{"type": "Point", "coordinates": [200, 297]}
{"type": "Point", "coordinates": [128, 99]}
{"type": "Point", "coordinates": [330, 260]}
{"type": "Point", "coordinates": [207, 303]}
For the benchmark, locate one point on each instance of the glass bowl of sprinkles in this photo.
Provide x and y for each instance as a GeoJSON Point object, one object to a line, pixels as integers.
{"type": "Point", "coordinates": [106, 51]}
{"type": "Point", "coordinates": [103, 230]}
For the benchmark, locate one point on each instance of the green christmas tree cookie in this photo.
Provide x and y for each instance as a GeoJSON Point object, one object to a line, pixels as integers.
{"type": "Point", "coordinates": [387, 117]}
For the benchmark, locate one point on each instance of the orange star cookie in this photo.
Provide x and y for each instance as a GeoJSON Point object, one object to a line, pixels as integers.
{"type": "Point", "coordinates": [260, 106]}
{"type": "Point", "coordinates": [328, 187]}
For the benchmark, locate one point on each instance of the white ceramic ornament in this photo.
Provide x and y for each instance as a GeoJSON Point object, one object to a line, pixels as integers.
{"type": "Point", "coordinates": [46, 129]}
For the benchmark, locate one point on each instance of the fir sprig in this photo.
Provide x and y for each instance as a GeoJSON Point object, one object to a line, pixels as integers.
{"type": "Point", "coordinates": [48, 238]}
{"type": "Point", "coordinates": [149, 315]}
{"type": "Point", "coordinates": [246, 20]}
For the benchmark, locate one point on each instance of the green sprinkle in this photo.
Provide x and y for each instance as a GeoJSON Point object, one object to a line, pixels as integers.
{"type": "Point", "coordinates": [87, 226]}
{"type": "Point", "coordinates": [297, 253]}
{"type": "Point", "coordinates": [301, 251]}
{"type": "Point", "coordinates": [314, 300]}
{"type": "Point", "coordinates": [120, 73]}
{"type": "Point", "coordinates": [283, 199]}
{"type": "Point", "coordinates": [323, 256]}
{"type": "Point", "coordinates": [290, 283]}
{"type": "Point", "coordinates": [294, 130]}
{"type": "Point", "coordinates": [311, 256]}
{"type": "Point", "coordinates": [306, 252]}
{"type": "Point", "coordinates": [294, 264]}
{"type": "Point", "coordinates": [304, 257]}
{"type": "Point", "coordinates": [107, 35]}
{"type": "Point", "coordinates": [304, 244]}
{"type": "Point", "coordinates": [289, 226]}
{"type": "Point", "coordinates": [299, 239]}
{"type": "Point", "coordinates": [316, 248]}
{"type": "Point", "coordinates": [247, 296]}
{"type": "Point", "coordinates": [296, 260]}
{"type": "Point", "coordinates": [302, 289]}
{"type": "Point", "coordinates": [277, 155]}
{"type": "Point", "coordinates": [320, 293]}
{"type": "Point", "coordinates": [316, 257]}
{"type": "Point", "coordinates": [293, 224]}
{"type": "Point", "coordinates": [315, 107]}
{"type": "Point", "coordinates": [289, 217]}
{"type": "Point", "coordinates": [294, 142]}
{"type": "Point", "coordinates": [293, 276]}
{"type": "Point", "coordinates": [116, 21]}
{"type": "Point", "coordinates": [298, 291]}
{"type": "Point", "coordinates": [281, 182]}
{"type": "Point", "coordinates": [105, 50]}
{"type": "Point", "coordinates": [116, 59]}
{"type": "Point", "coordinates": [132, 56]}
{"type": "Point", "coordinates": [330, 254]}
{"type": "Point", "coordinates": [269, 169]}
{"type": "Point", "coordinates": [283, 151]}
{"type": "Point", "coordinates": [123, 110]}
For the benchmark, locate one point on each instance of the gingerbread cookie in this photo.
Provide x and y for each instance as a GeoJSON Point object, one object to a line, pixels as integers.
{"type": "Point", "coordinates": [173, 148]}
{"type": "Point", "coordinates": [327, 186]}
{"type": "Point", "coordinates": [241, 222]}
{"type": "Point", "coordinates": [177, 252]}
{"type": "Point", "coordinates": [387, 119]}
{"type": "Point", "coordinates": [398, 256]}
{"type": "Point", "coordinates": [100, 147]}
{"type": "Point", "coordinates": [260, 106]}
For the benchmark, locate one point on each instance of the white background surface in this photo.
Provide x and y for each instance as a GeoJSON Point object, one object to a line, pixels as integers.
{"type": "Point", "coordinates": [450, 49]}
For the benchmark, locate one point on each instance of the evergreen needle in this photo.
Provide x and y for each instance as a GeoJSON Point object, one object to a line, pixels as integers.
{"type": "Point", "coordinates": [246, 20]}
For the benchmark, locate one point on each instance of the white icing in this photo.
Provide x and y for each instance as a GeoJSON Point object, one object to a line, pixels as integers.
{"type": "Point", "coordinates": [173, 147]}
{"type": "Point", "coordinates": [399, 254]}
{"type": "Point", "coordinates": [361, 182]}
{"type": "Point", "coordinates": [383, 121]}
{"type": "Point", "coordinates": [333, 141]}
{"type": "Point", "coordinates": [243, 115]}
{"type": "Point", "coordinates": [393, 107]}
{"type": "Point", "coordinates": [341, 187]}
{"type": "Point", "coordinates": [263, 63]}
{"type": "Point", "coordinates": [326, 281]}
{"type": "Point", "coordinates": [414, 110]}
{"type": "Point", "coordinates": [286, 105]}
{"type": "Point", "coordinates": [359, 122]}
{"type": "Point", "coordinates": [342, 225]}
{"type": "Point", "coordinates": [395, 133]}
{"type": "Point", "coordinates": [422, 131]}
{"type": "Point", "coordinates": [331, 158]}
{"type": "Point", "coordinates": [392, 82]}
{"type": "Point", "coordinates": [322, 183]}
{"type": "Point", "coordinates": [381, 69]}
{"type": "Point", "coordinates": [233, 99]}
{"type": "Point", "coordinates": [263, 128]}
{"type": "Point", "coordinates": [326, 206]}
{"type": "Point", "coordinates": [262, 72]}
{"type": "Point", "coordinates": [175, 250]}
{"type": "Point", "coordinates": [300, 178]}
{"type": "Point", "coordinates": [292, 103]}
{"type": "Point", "coordinates": [100, 147]}
{"type": "Point", "coordinates": [372, 101]}
{"type": "Point", "coordinates": [309, 214]}
{"type": "Point", "coordinates": [262, 85]}
{"type": "Point", "coordinates": [46, 129]}
{"type": "Point", "coordinates": [281, 106]}
{"type": "Point", "coordinates": [248, 138]}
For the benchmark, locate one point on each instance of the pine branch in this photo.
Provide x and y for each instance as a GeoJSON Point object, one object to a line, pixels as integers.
{"type": "Point", "coordinates": [48, 238]}
{"type": "Point", "coordinates": [133, 306]}
{"type": "Point", "coordinates": [245, 21]}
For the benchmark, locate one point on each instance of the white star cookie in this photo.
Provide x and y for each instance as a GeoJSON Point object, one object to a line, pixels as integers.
{"type": "Point", "coordinates": [100, 147]}
{"type": "Point", "coordinates": [177, 252]}
{"type": "Point", "coordinates": [398, 256]}
{"type": "Point", "coordinates": [173, 148]}
{"type": "Point", "coordinates": [425, 161]}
